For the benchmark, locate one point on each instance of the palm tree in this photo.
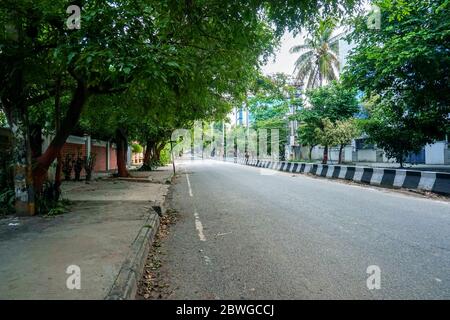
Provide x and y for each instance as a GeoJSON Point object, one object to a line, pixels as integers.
{"type": "Point", "coordinates": [318, 62]}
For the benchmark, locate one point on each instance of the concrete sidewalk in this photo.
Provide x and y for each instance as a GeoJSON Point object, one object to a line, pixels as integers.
{"type": "Point", "coordinates": [106, 233]}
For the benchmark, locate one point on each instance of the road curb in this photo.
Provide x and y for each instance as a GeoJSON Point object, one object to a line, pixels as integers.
{"type": "Point", "coordinates": [126, 282]}
{"type": "Point", "coordinates": [435, 182]}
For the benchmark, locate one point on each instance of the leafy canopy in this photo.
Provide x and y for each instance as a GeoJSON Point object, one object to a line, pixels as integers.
{"type": "Point", "coordinates": [333, 102]}
{"type": "Point", "coordinates": [404, 67]}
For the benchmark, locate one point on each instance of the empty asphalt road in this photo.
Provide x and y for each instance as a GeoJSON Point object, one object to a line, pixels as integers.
{"type": "Point", "coordinates": [246, 234]}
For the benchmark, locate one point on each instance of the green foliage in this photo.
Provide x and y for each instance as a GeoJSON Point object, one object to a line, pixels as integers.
{"type": "Point", "coordinates": [47, 203]}
{"type": "Point", "coordinates": [393, 133]}
{"type": "Point", "coordinates": [3, 121]}
{"type": "Point", "coordinates": [339, 133]}
{"type": "Point", "coordinates": [166, 51]}
{"type": "Point", "coordinates": [137, 148]}
{"type": "Point", "coordinates": [153, 164]}
{"type": "Point", "coordinates": [318, 62]}
{"type": "Point", "coordinates": [59, 207]}
{"type": "Point", "coordinates": [295, 15]}
{"type": "Point", "coordinates": [7, 197]}
{"type": "Point", "coordinates": [194, 84]}
{"type": "Point", "coordinates": [165, 156]}
{"type": "Point", "coordinates": [273, 98]}
{"type": "Point", "coordinates": [345, 131]}
{"type": "Point", "coordinates": [325, 134]}
{"type": "Point", "coordinates": [56, 211]}
{"type": "Point", "coordinates": [307, 134]}
{"type": "Point", "coordinates": [333, 102]}
{"type": "Point", "coordinates": [403, 71]}
{"type": "Point", "coordinates": [141, 67]}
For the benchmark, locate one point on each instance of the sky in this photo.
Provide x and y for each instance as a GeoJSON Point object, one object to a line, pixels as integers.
{"type": "Point", "coordinates": [284, 61]}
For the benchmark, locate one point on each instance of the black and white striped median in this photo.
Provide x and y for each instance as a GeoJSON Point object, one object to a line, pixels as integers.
{"type": "Point", "coordinates": [390, 178]}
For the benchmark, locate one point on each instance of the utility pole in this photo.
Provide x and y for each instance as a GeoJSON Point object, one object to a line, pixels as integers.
{"type": "Point", "coordinates": [173, 158]}
{"type": "Point", "coordinates": [223, 140]}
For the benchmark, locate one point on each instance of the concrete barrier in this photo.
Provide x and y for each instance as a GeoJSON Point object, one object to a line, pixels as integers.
{"type": "Point", "coordinates": [412, 179]}
{"type": "Point", "coordinates": [358, 174]}
{"type": "Point", "coordinates": [389, 178]}
{"type": "Point", "coordinates": [367, 175]}
{"type": "Point", "coordinates": [308, 168]}
{"type": "Point", "coordinates": [442, 183]}
{"type": "Point", "coordinates": [330, 171]}
{"type": "Point", "coordinates": [377, 176]}
{"type": "Point", "coordinates": [350, 173]}
{"type": "Point", "coordinates": [427, 180]}
{"type": "Point", "coordinates": [342, 172]}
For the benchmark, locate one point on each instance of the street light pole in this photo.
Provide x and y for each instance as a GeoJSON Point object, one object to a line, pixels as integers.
{"type": "Point", "coordinates": [173, 158]}
{"type": "Point", "coordinates": [223, 140]}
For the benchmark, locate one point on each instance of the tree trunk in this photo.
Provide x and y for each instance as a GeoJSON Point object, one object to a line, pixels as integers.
{"type": "Point", "coordinates": [155, 156]}
{"type": "Point", "coordinates": [158, 149]}
{"type": "Point", "coordinates": [320, 75]}
{"type": "Point", "coordinates": [148, 152]}
{"type": "Point", "coordinates": [18, 118]}
{"type": "Point", "coordinates": [121, 141]}
{"type": "Point", "coordinates": [310, 152]}
{"type": "Point", "coordinates": [57, 129]}
{"type": "Point", "coordinates": [23, 179]}
{"type": "Point", "coordinates": [147, 155]}
{"type": "Point", "coordinates": [70, 120]}
{"type": "Point", "coordinates": [325, 155]}
{"type": "Point", "coordinates": [340, 153]}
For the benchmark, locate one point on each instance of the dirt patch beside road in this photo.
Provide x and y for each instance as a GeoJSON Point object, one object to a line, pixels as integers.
{"type": "Point", "coordinates": [154, 283]}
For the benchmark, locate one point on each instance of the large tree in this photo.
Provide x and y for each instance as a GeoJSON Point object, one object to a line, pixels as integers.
{"type": "Point", "coordinates": [403, 69]}
{"type": "Point", "coordinates": [396, 134]}
{"type": "Point", "coordinates": [119, 43]}
{"type": "Point", "coordinates": [270, 104]}
{"type": "Point", "coordinates": [333, 102]}
{"type": "Point", "coordinates": [318, 62]}
{"type": "Point", "coordinates": [338, 134]}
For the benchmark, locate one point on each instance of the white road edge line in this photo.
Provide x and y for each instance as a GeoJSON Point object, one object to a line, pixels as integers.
{"type": "Point", "coordinates": [198, 223]}
{"type": "Point", "coordinates": [199, 227]}
{"type": "Point", "coordinates": [189, 185]}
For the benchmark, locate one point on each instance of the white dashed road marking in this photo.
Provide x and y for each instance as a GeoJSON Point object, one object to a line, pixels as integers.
{"type": "Point", "coordinates": [207, 260]}
{"type": "Point", "coordinates": [198, 223]}
{"type": "Point", "coordinates": [199, 227]}
{"type": "Point", "coordinates": [189, 185]}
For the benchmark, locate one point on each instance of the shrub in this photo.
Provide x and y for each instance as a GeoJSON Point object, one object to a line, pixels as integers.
{"type": "Point", "coordinates": [165, 157]}
{"type": "Point", "coordinates": [7, 197]}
